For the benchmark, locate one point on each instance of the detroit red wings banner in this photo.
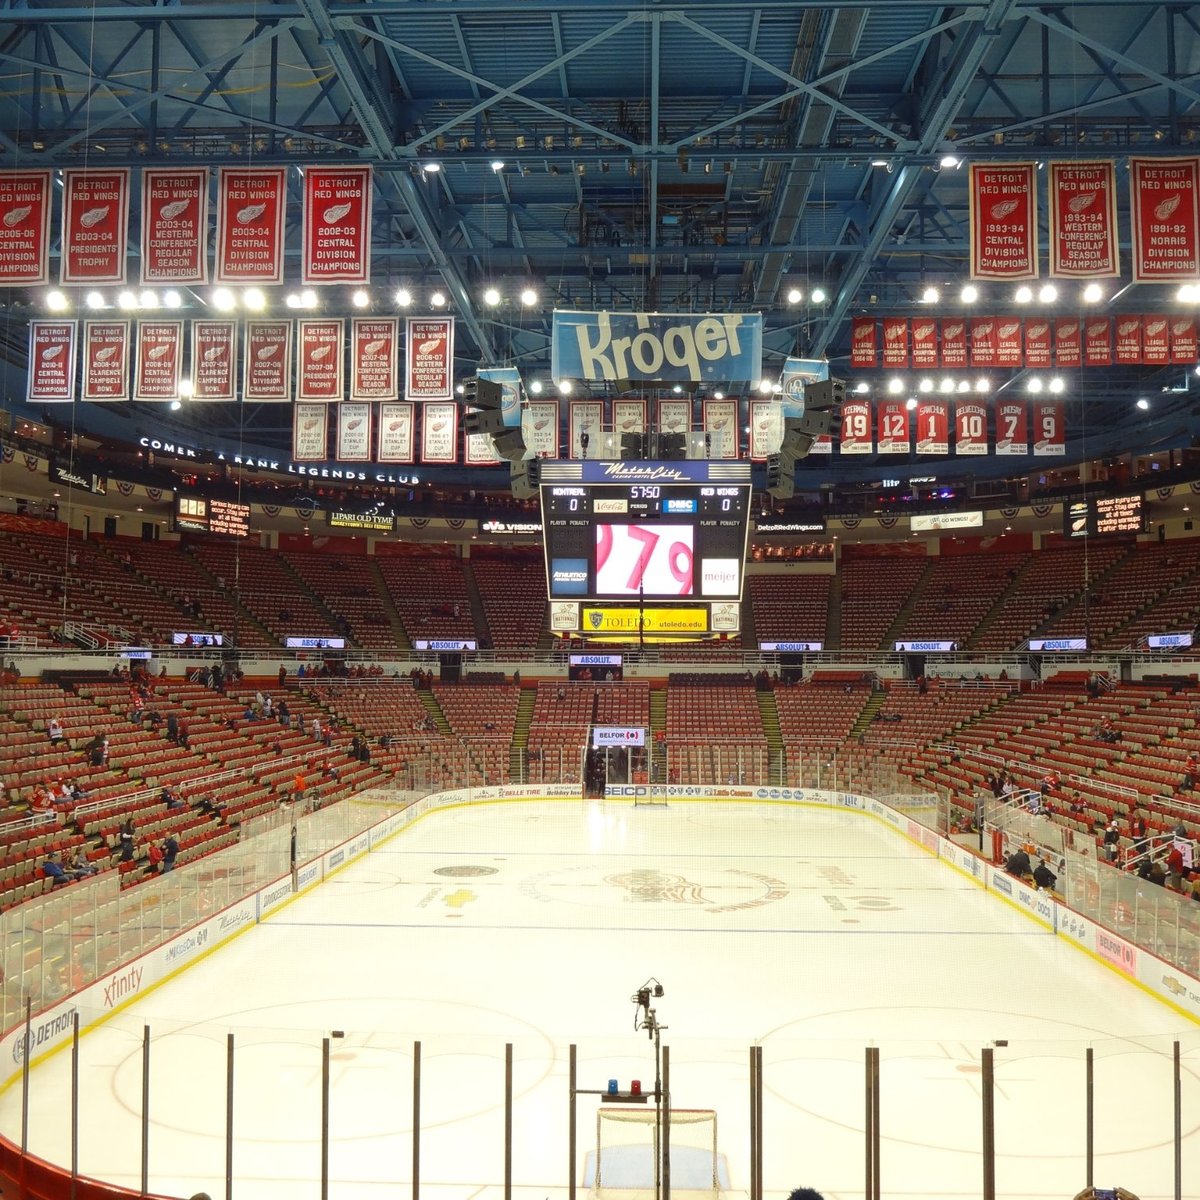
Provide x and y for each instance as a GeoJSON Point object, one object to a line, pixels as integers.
{"type": "Point", "coordinates": [157, 366]}
{"type": "Point", "coordinates": [1012, 428]}
{"type": "Point", "coordinates": [95, 225]}
{"type": "Point", "coordinates": [924, 343]}
{"type": "Point", "coordinates": [970, 427]}
{"type": "Point", "coordinates": [1184, 347]}
{"type": "Point", "coordinates": [539, 424]}
{"type": "Point", "coordinates": [51, 361]}
{"type": "Point", "coordinates": [310, 432]}
{"type": "Point", "coordinates": [983, 341]}
{"type": "Point", "coordinates": [933, 427]}
{"type": "Point", "coordinates": [954, 342]}
{"type": "Point", "coordinates": [1128, 341]}
{"type": "Point", "coordinates": [354, 433]}
{"type": "Point", "coordinates": [439, 432]}
{"type": "Point", "coordinates": [174, 225]}
{"type": "Point", "coordinates": [319, 358]}
{"type": "Point", "coordinates": [251, 205]}
{"type": "Point", "coordinates": [1037, 343]}
{"type": "Point", "coordinates": [863, 349]}
{"type": "Point", "coordinates": [214, 359]}
{"type": "Point", "coordinates": [585, 419]}
{"type": "Point", "coordinates": [1003, 220]}
{"type": "Point", "coordinates": [429, 373]}
{"type": "Point", "coordinates": [629, 416]}
{"type": "Point", "coordinates": [1083, 220]}
{"type": "Point", "coordinates": [895, 342]}
{"type": "Point", "coordinates": [374, 358]}
{"type": "Point", "coordinates": [1097, 342]}
{"type": "Point", "coordinates": [1049, 428]}
{"type": "Point", "coordinates": [1068, 342]}
{"type": "Point", "coordinates": [1010, 351]}
{"type": "Point", "coordinates": [856, 428]}
{"type": "Point", "coordinates": [396, 433]}
{"type": "Point", "coordinates": [675, 416]}
{"type": "Point", "coordinates": [892, 427]}
{"type": "Point", "coordinates": [267, 362]}
{"type": "Point", "coordinates": [105, 361]}
{"type": "Point", "coordinates": [1156, 341]}
{"type": "Point", "coordinates": [337, 225]}
{"type": "Point", "coordinates": [1164, 211]}
{"type": "Point", "coordinates": [479, 450]}
{"type": "Point", "coordinates": [25, 200]}
{"type": "Point", "coordinates": [721, 428]}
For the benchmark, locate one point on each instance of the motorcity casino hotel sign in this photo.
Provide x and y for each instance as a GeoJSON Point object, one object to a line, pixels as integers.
{"type": "Point", "coordinates": [678, 347]}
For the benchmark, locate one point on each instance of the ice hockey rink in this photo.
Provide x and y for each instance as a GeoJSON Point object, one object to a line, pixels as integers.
{"type": "Point", "coordinates": [815, 933]}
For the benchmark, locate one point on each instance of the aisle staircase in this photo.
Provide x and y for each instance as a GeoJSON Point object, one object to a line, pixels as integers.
{"type": "Point", "coordinates": [768, 712]}
{"type": "Point", "coordinates": [658, 724]}
{"type": "Point", "coordinates": [833, 617]}
{"type": "Point", "coordinates": [434, 709]}
{"type": "Point", "coordinates": [869, 711]}
{"type": "Point", "coordinates": [520, 742]}
{"type": "Point", "coordinates": [896, 628]}
{"type": "Point", "coordinates": [1001, 603]}
{"type": "Point", "coordinates": [475, 600]}
{"type": "Point", "coordinates": [385, 596]}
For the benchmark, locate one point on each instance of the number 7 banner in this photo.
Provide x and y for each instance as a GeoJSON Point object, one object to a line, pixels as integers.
{"type": "Point", "coordinates": [1012, 428]}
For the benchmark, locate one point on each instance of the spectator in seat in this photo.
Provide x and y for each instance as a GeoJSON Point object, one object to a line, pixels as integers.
{"type": "Point", "coordinates": [170, 853]}
{"type": "Point", "coordinates": [155, 854]}
{"type": "Point", "coordinates": [184, 734]}
{"type": "Point", "coordinates": [125, 839]}
{"type": "Point", "coordinates": [1190, 766]}
{"type": "Point", "coordinates": [171, 798]}
{"type": "Point", "coordinates": [80, 867]}
{"type": "Point", "coordinates": [1111, 841]}
{"type": "Point", "coordinates": [53, 870]}
{"type": "Point", "coordinates": [54, 730]}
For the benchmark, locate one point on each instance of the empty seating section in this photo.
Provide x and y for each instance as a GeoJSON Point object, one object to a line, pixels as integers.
{"type": "Point", "coordinates": [347, 587]}
{"type": "Point", "coordinates": [814, 718]}
{"type": "Point", "coordinates": [714, 733]}
{"type": "Point", "coordinates": [957, 594]}
{"type": "Point", "coordinates": [483, 717]}
{"type": "Point", "coordinates": [430, 594]}
{"type": "Point", "coordinates": [562, 715]}
{"type": "Point", "coordinates": [790, 608]}
{"type": "Point", "coordinates": [1170, 599]}
{"type": "Point", "coordinates": [513, 594]}
{"type": "Point", "coordinates": [873, 592]}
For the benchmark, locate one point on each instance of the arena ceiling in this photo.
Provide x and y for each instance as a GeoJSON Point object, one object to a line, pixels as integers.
{"type": "Point", "coordinates": [717, 155]}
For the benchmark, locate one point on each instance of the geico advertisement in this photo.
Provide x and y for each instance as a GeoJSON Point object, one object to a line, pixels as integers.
{"type": "Point", "coordinates": [648, 620]}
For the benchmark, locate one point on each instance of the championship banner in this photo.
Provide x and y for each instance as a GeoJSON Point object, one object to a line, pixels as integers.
{"type": "Point", "coordinates": [1184, 343]}
{"type": "Point", "coordinates": [1003, 220]}
{"type": "Point", "coordinates": [159, 358]}
{"type": "Point", "coordinates": [933, 427]}
{"type": "Point", "coordinates": [1049, 428]}
{"type": "Point", "coordinates": [95, 225]}
{"type": "Point", "coordinates": [863, 349]}
{"type": "Point", "coordinates": [1156, 341]}
{"type": "Point", "coordinates": [337, 225]}
{"type": "Point", "coordinates": [586, 419]}
{"type": "Point", "coordinates": [766, 428]}
{"type": "Point", "coordinates": [1010, 349]}
{"type": "Point", "coordinates": [319, 358]}
{"type": "Point", "coordinates": [1083, 220]}
{"type": "Point", "coordinates": [1127, 348]}
{"type": "Point", "coordinates": [214, 357]}
{"type": "Point", "coordinates": [1097, 342]}
{"type": "Point", "coordinates": [267, 370]}
{"type": "Point", "coordinates": [251, 206]}
{"type": "Point", "coordinates": [25, 202]}
{"type": "Point", "coordinates": [479, 450]}
{"type": "Point", "coordinates": [354, 433]}
{"type": "Point", "coordinates": [856, 428]}
{"type": "Point", "coordinates": [1037, 343]}
{"type": "Point", "coordinates": [174, 225]}
{"type": "Point", "coordinates": [374, 358]}
{"type": "Point", "coordinates": [970, 428]}
{"type": "Point", "coordinates": [954, 342]}
{"type": "Point", "coordinates": [983, 341]}
{"type": "Point", "coordinates": [105, 361]}
{"type": "Point", "coordinates": [895, 342]}
{"type": "Point", "coordinates": [893, 432]}
{"type": "Point", "coordinates": [721, 426]}
{"type": "Point", "coordinates": [509, 379]}
{"type": "Point", "coordinates": [675, 416]}
{"type": "Point", "coordinates": [539, 424]}
{"type": "Point", "coordinates": [924, 343]}
{"type": "Point", "coordinates": [651, 347]}
{"type": "Point", "coordinates": [1068, 342]}
{"type": "Point", "coordinates": [1012, 428]}
{"type": "Point", "coordinates": [429, 370]}
{"type": "Point", "coordinates": [310, 432]}
{"type": "Point", "coordinates": [439, 432]}
{"type": "Point", "coordinates": [1164, 211]}
{"type": "Point", "coordinates": [629, 416]}
{"type": "Point", "coordinates": [51, 361]}
{"type": "Point", "coordinates": [798, 375]}
{"type": "Point", "coordinates": [395, 433]}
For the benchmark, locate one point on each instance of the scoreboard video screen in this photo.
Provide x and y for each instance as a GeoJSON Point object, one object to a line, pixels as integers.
{"type": "Point", "coordinates": [654, 540]}
{"type": "Point", "coordinates": [195, 514]}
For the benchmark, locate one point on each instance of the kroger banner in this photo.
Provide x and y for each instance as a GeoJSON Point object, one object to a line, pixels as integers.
{"type": "Point", "coordinates": [657, 346]}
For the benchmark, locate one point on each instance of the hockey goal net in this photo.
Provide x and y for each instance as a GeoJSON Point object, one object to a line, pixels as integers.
{"type": "Point", "coordinates": [628, 1146]}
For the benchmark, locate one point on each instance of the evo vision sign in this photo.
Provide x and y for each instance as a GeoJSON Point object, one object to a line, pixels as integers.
{"type": "Point", "coordinates": [645, 347]}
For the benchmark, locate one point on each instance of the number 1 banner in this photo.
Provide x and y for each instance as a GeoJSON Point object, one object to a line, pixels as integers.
{"type": "Point", "coordinates": [933, 427]}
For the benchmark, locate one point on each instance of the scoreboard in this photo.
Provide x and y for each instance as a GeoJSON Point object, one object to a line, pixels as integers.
{"type": "Point", "coordinates": [196, 514]}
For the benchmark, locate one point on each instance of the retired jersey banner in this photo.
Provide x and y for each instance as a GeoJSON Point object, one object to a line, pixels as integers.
{"type": "Point", "coordinates": [214, 359]}
{"type": "Point", "coordinates": [51, 361]}
{"type": "Point", "coordinates": [856, 428]}
{"type": "Point", "coordinates": [1083, 220]}
{"type": "Point", "coordinates": [1156, 341]}
{"type": "Point", "coordinates": [310, 432]}
{"type": "Point", "coordinates": [983, 341]}
{"type": "Point", "coordinates": [1037, 343]}
{"type": "Point", "coordinates": [1127, 349]}
{"type": "Point", "coordinates": [895, 342]}
{"type": "Point", "coordinates": [539, 425]}
{"type": "Point", "coordinates": [105, 361]}
{"type": "Point", "coordinates": [374, 358]}
{"type": "Point", "coordinates": [864, 351]}
{"type": "Point", "coordinates": [1003, 220]}
{"type": "Point", "coordinates": [396, 433]}
{"type": "Point", "coordinates": [1068, 342]}
{"type": "Point", "coordinates": [1164, 211]}
{"type": "Point", "coordinates": [675, 416]}
{"type": "Point", "coordinates": [629, 416]}
{"type": "Point", "coordinates": [1185, 347]}
{"type": "Point", "coordinates": [319, 358]}
{"type": "Point", "coordinates": [439, 432]}
{"type": "Point", "coordinates": [267, 370]}
{"type": "Point", "coordinates": [970, 427]}
{"type": "Point", "coordinates": [933, 427]}
{"type": "Point", "coordinates": [337, 225]}
{"type": "Point", "coordinates": [924, 343]}
{"type": "Point", "coordinates": [892, 427]}
{"type": "Point", "coordinates": [1049, 428]}
{"type": "Point", "coordinates": [954, 342]}
{"type": "Point", "coordinates": [1012, 428]}
{"type": "Point", "coordinates": [251, 206]}
{"type": "Point", "coordinates": [174, 225]}
{"type": "Point", "coordinates": [1010, 348]}
{"type": "Point", "coordinates": [354, 433]}
{"type": "Point", "coordinates": [429, 372]}
{"type": "Point", "coordinates": [586, 420]}
{"type": "Point", "coordinates": [159, 359]}
{"type": "Point", "coordinates": [721, 428]}
{"type": "Point", "coordinates": [1097, 342]}
{"type": "Point", "coordinates": [95, 225]}
{"type": "Point", "coordinates": [766, 428]}
{"type": "Point", "coordinates": [25, 201]}
{"type": "Point", "coordinates": [649, 347]}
